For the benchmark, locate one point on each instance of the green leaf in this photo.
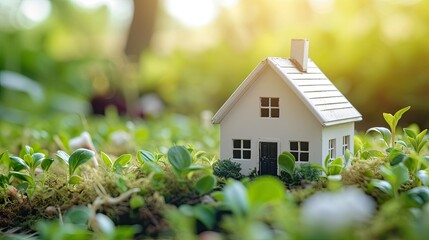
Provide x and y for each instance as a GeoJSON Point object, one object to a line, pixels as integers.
{"type": "Point", "coordinates": [22, 176]}
{"type": "Point", "coordinates": [410, 133]}
{"type": "Point", "coordinates": [75, 179]}
{"type": "Point", "coordinates": [79, 157]}
{"type": "Point", "coordinates": [335, 167]}
{"type": "Point", "coordinates": [195, 168]}
{"type": "Point", "coordinates": [63, 156]}
{"type": "Point", "coordinates": [266, 189]}
{"type": "Point", "coordinates": [412, 162]}
{"type": "Point", "coordinates": [396, 156]}
{"type": "Point", "coordinates": [136, 201]}
{"type": "Point", "coordinates": [235, 197]}
{"type": "Point", "coordinates": [180, 158]}
{"type": "Point", "coordinates": [187, 210]}
{"type": "Point", "coordinates": [389, 119]}
{"type": "Point", "coordinates": [123, 160]}
{"type": "Point", "coordinates": [326, 162]}
{"type": "Point", "coordinates": [148, 160]}
{"type": "Point", "coordinates": [37, 159]}
{"type": "Point", "coordinates": [401, 173]}
{"type": "Point", "coordinates": [384, 132]}
{"type": "Point", "coordinates": [205, 214]}
{"type": "Point", "coordinates": [417, 197]}
{"type": "Point", "coordinates": [46, 163]}
{"type": "Point", "coordinates": [4, 159]}
{"type": "Point", "coordinates": [286, 162]}
{"type": "Point", "coordinates": [78, 215]}
{"type": "Point", "coordinates": [106, 159]}
{"type": "Point", "coordinates": [205, 184]}
{"type": "Point", "coordinates": [28, 160]}
{"type": "Point", "coordinates": [145, 156]}
{"type": "Point", "coordinates": [400, 112]}
{"type": "Point", "coordinates": [423, 176]}
{"type": "Point", "coordinates": [4, 181]}
{"type": "Point", "coordinates": [17, 163]}
{"type": "Point", "coordinates": [26, 150]}
{"type": "Point", "coordinates": [121, 184]}
{"type": "Point", "coordinates": [421, 135]}
{"type": "Point", "coordinates": [425, 161]}
{"type": "Point", "coordinates": [383, 185]}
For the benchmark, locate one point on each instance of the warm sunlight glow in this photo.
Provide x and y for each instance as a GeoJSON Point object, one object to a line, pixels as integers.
{"type": "Point", "coordinates": [36, 10]}
{"type": "Point", "coordinates": [196, 13]}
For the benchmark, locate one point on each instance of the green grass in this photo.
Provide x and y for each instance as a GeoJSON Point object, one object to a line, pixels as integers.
{"type": "Point", "coordinates": [155, 179]}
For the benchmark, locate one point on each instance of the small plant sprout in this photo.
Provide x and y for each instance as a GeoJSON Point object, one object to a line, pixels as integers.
{"type": "Point", "coordinates": [148, 161]}
{"type": "Point", "coordinates": [416, 140]}
{"type": "Point", "coordinates": [389, 136]}
{"type": "Point", "coordinates": [181, 161]}
{"type": "Point", "coordinates": [118, 164]}
{"type": "Point", "coordinates": [84, 141]}
{"type": "Point", "coordinates": [76, 159]}
{"type": "Point", "coordinates": [332, 167]}
{"type": "Point", "coordinates": [394, 177]}
{"type": "Point", "coordinates": [24, 169]}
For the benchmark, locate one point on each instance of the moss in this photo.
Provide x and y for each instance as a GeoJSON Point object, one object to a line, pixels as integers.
{"type": "Point", "coordinates": [361, 172]}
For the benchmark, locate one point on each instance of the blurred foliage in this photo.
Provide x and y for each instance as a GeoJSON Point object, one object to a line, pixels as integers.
{"type": "Point", "coordinates": [375, 51]}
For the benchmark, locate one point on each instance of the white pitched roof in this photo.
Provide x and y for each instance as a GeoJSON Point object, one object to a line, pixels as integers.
{"type": "Point", "coordinates": [314, 89]}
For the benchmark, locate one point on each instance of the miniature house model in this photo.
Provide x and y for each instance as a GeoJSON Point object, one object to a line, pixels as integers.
{"type": "Point", "coordinates": [285, 104]}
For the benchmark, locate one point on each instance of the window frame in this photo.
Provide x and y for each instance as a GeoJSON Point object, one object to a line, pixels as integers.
{"type": "Point", "coordinates": [242, 149]}
{"type": "Point", "coordinates": [346, 143]}
{"type": "Point", "coordinates": [300, 150]}
{"type": "Point", "coordinates": [269, 107]}
{"type": "Point", "coordinates": [332, 148]}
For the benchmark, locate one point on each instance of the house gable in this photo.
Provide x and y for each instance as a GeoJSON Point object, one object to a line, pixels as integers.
{"type": "Point", "coordinates": [314, 89]}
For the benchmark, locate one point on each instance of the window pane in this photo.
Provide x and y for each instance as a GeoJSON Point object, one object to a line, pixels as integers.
{"type": "Point", "coordinates": [265, 102]}
{"type": "Point", "coordinates": [275, 112]}
{"type": "Point", "coordinates": [293, 145]}
{"type": "Point", "coordinates": [236, 154]}
{"type": "Point", "coordinates": [246, 154]}
{"type": "Point", "coordinates": [265, 112]}
{"type": "Point", "coordinates": [246, 144]}
{"type": "Point", "coordinates": [274, 102]}
{"type": "Point", "coordinates": [295, 154]}
{"type": "Point", "coordinates": [237, 144]}
{"type": "Point", "coordinates": [304, 146]}
{"type": "Point", "coordinates": [304, 157]}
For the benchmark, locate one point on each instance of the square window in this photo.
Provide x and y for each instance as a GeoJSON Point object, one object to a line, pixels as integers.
{"type": "Point", "coordinates": [265, 112]}
{"type": "Point", "coordinates": [237, 144]}
{"type": "Point", "coordinates": [293, 145]}
{"type": "Point", "coordinates": [303, 157]}
{"type": "Point", "coordinates": [265, 102]}
{"type": "Point", "coordinates": [270, 107]}
{"type": "Point", "coordinates": [236, 154]}
{"type": "Point", "coordinates": [246, 154]}
{"type": "Point", "coordinates": [274, 102]}
{"type": "Point", "coordinates": [295, 154]}
{"type": "Point", "coordinates": [246, 144]}
{"type": "Point", "coordinates": [304, 146]}
{"type": "Point", "coordinates": [300, 150]}
{"type": "Point", "coordinates": [241, 149]}
{"type": "Point", "coordinates": [275, 112]}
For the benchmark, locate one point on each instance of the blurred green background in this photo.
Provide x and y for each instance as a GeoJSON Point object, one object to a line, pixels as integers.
{"type": "Point", "coordinates": [67, 56]}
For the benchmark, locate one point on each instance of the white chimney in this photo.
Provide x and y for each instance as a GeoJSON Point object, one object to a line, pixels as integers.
{"type": "Point", "coordinates": [299, 53]}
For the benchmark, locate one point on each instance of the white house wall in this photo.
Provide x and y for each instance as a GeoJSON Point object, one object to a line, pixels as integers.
{"type": "Point", "coordinates": [296, 122]}
{"type": "Point", "coordinates": [337, 132]}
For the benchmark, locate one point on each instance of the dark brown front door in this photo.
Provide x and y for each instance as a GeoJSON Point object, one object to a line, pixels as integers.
{"type": "Point", "coordinates": [268, 158]}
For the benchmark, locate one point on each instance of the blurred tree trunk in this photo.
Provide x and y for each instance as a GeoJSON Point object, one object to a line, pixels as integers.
{"type": "Point", "coordinates": [142, 27]}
